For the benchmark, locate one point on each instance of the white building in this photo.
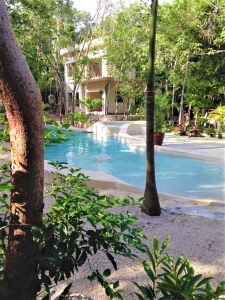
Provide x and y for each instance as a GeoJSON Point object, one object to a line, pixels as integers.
{"type": "Point", "coordinates": [96, 82]}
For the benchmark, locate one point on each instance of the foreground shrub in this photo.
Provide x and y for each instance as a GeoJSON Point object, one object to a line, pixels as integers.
{"type": "Point", "coordinates": [174, 279]}
{"type": "Point", "coordinates": [78, 226]}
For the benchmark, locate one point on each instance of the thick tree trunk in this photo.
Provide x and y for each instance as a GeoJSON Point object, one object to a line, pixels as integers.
{"type": "Point", "coordinates": [22, 102]}
{"type": "Point", "coordinates": [151, 199]}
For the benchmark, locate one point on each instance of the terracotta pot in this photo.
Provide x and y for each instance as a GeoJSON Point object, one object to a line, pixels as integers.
{"type": "Point", "coordinates": [158, 138]}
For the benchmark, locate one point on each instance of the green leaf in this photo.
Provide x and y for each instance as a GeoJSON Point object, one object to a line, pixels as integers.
{"type": "Point", "coordinates": [107, 273]}
{"type": "Point", "coordinates": [116, 284]}
{"type": "Point", "coordinates": [6, 187]}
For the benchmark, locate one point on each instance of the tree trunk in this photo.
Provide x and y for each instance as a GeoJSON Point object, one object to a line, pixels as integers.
{"type": "Point", "coordinates": [181, 113]}
{"type": "Point", "coordinates": [172, 106]}
{"type": "Point", "coordinates": [22, 102]}
{"type": "Point", "coordinates": [151, 199]}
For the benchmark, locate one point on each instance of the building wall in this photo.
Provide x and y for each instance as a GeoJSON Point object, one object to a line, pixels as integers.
{"type": "Point", "coordinates": [112, 100]}
{"type": "Point", "coordinates": [95, 85]}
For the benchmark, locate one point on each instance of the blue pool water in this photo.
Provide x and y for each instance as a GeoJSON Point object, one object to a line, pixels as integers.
{"type": "Point", "coordinates": [177, 175]}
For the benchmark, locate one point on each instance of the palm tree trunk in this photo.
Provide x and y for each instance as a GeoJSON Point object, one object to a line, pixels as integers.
{"type": "Point", "coordinates": [22, 101]}
{"type": "Point", "coordinates": [151, 199]}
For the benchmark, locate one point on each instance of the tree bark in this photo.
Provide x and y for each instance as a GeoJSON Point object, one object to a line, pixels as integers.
{"type": "Point", "coordinates": [172, 105]}
{"type": "Point", "coordinates": [23, 105]}
{"type": "Point", "coordinates": [181, 113]}
{"type": "Point", "coordinates": [151, 199]}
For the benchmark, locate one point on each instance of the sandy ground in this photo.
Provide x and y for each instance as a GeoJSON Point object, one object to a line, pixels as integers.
{"type": "Point", "coordinates": [197, 238]}
{"type": "Point", "coordinates": [200, 239]}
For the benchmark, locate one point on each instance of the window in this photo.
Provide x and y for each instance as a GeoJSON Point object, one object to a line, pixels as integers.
{"type": "Point", "coordinates": [119, 97]}
{"type": "Point", "coordinates": [77, 99]}
{"type": "Point", "coordinates": [96, 69]}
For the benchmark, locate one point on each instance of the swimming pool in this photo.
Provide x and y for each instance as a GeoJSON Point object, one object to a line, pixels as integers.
{"type": "Point", "coordinates": [177, 175]}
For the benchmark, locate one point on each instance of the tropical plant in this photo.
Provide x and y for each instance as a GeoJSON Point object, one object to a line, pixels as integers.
{"type": "Point", "coordinates": [174, 279]}
{"type": "Point", "coordinates": [211, 131]}
{"type": "Point", "coordinates": [160, 111]}
{"type": "Point", "coordinates": [79, 119]}
{"type": "Point", "coordinates": [138, 111]}
{"type": "Point", "coordinates": [92, 104]}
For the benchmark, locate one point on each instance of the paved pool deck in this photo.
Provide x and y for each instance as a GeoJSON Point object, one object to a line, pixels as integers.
{"type": "Point", "coordinates": [209, 149]}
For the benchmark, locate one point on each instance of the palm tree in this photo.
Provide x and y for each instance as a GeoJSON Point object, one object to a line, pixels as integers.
{"type": "Point", "coordinates": [151, 199]}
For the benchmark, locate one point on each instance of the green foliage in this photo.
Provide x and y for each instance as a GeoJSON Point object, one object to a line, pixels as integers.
{"type": "Point", "coordinates": [53, 131]}
{"type": "Point", "coordinates": [79, 118]}
{"type": "Point", "coordinates": [4, 133]}
{"type": "Point", "coordinates": [174, 279]}
{"type": "Point", "coordinates": [92, 104]}
{"type": "Point", "coordinates": [211, 131]}
{"type": "Point", "coordinates": [125, 38]}
{"type": "Point", "coordinates": [43, 28]}
{"type": "Point", "coordinates": [218, 114]}
{"type": "Point", "coordinates": [161, 108]}
{"type": "Point", "coordinates": [2, 118]}
{"type": "Point", "coordinates": [78, 226]}
{"type": "Point", "coordinates": [138, 110]}
{"type": "Point", "coordinates": [55, 134]}
{"type": "Point", "coordinates": [5, 188]}
{"type": "Point", "coordinates": [189, 52]}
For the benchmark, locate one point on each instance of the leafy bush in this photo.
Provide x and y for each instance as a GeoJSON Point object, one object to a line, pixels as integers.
{"type": "Point", "coordinates": [211, 131]}
{"type": "Point", "coordinates": [218, 114]}
{"type": "Point", "coordinates": [78, 226]}
{"type": "Point", "coordinates": [138, 110]}
{"type": "Point", "coordinates": [79, 118]}
{"type": "Point", "coordinates": [92, 104]}
{"type": "Point", "coordinates": [174, 279]}
{"type": "Point", "coordinates": [55, 134]}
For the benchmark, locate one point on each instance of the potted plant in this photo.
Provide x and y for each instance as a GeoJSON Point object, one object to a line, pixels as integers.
{"type": "Point", "coordinates": [219, 135]}
{"type": "Point", "coordinates": [211, 131]}
{"type": "Point", "coordinates": [159, 134]}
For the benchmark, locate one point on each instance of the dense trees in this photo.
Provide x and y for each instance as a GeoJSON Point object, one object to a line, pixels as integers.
{"type": "Point", "coordinates": [22, 101]}
{"type": "Point", "coordinates": [43, 28]}
{"type": "Point", "coordinates": [125, 35]}
{"type": "Point", "coordinates": [190, 52]}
